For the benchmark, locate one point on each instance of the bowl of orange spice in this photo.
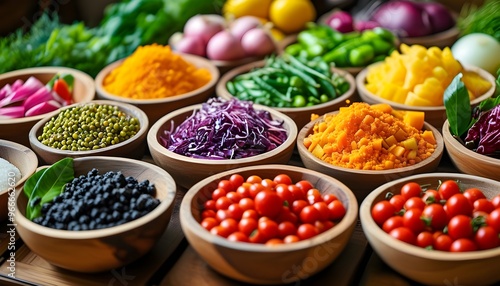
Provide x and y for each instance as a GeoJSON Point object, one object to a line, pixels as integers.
{"type": "Point", "coordinates": [365, 146]}
{"type": "Point", "coordinates": [158, 80]}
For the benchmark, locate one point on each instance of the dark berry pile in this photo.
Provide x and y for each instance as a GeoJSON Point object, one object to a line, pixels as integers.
{"type": "Point", "coordinates": [95, 201]}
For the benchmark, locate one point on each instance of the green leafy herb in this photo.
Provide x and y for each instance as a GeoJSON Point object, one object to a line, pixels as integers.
{"type": "Point", "coordinates": [483, 19]}
{"type": "Point", "coordinates": [457, 104]}
{"type": "Point", "coordinates": [46, 184]}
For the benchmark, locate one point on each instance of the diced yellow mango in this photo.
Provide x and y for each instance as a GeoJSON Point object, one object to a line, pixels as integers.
{"type": "Point", "coordinates": [476, 84]}
{"type": "Point", "coordinates": [429, 136]}
{"type": "Point", "coordinates": [412, 154]}
{"type": "Point", "coordinates": [391, 140]}
{"type": "Point", "coordinates": [388, 165]}
{"type": "Point", "coordinates": [318, 151]}
{"type": "Point", "coordinates": [414, 118]}
{"type": "Point", "coordinates": [377, 144]}
{"type": "Point", "coordinates": [400, 135]}
{"type": "Point", "coordinates": [410, 143]}
{"type": "Point", "coordinates": [398, 151]}
{"type": "Point", "coordinates": [414, 100]}
{"type": "Point", "coordinates": [384, 107]}
{"type": "Point", "coordinates": [450, 64]}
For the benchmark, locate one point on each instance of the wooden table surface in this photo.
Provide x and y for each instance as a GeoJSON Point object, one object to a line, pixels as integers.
{"type": "Point", "coordinates": [173, 262]}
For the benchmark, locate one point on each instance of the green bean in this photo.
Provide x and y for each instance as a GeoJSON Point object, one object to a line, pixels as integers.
{"type": "Point", "coordinates": [300, 65]}
{"type": "Point", "coordinates": [304, 76]}
{"type": "Point", "coordinates": [269, 88]}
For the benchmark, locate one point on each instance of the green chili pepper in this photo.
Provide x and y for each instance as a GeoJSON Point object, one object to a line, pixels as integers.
{"type": "Point", "coordinates": [361, 55]}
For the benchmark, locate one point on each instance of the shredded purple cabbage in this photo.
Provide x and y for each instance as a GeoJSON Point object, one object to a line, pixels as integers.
{"type": "Point", "coordinates": [485, 133]}
{"type": "Point", "coordinates": [223, 129]}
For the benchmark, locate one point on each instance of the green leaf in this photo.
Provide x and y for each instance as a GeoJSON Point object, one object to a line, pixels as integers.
{"type": "Point", "coordinates": [457, 104]}
{"type": "Point", "coordinates": [48, 185]}
{"type": "Point", "coordinates": [30, 183]}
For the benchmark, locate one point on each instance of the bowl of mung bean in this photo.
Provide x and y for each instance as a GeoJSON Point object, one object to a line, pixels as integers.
{"type": "Point", "coordinates": [96, 128]}
{"type": "Point", "coordinates": [158, 80]}
{"type": "Point", "coordinates": [365, 146]}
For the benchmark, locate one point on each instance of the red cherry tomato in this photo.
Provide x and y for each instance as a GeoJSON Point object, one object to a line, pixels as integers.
{"type": "Point", "coordinates": [448, 188]}
{"type": "Point", "coordinates": [268, 203]}
{"type": "Point", "coordinates": [209, 222]}
{"type": "Point", "coordinates": [425, 239]}
{"type": "Point", "coordinates": [431, 196]}
{"type": "Point", "coordinates": [463, 245]}
{"type": "Point", "coordinates": [306, 230]}
{"type": "Point", "coordinates": [283, 179]}
{"type": "Point", "coordinates": [247, 225]}
{"type": "Point", "coordinates": [483, 205]}
{"type": "Point", "coordinates": [381, 211]}
{"type": "Point", "coordinates": [496, 201]}
{"type": "Point", "coordinates": [323, 210]}
{"type": "Point", "coordinates": [398, 201]}
{"type": "Point", "coordinates": [493, 219]}
{"type": "Point", "coordinates": [460, 226]}
{"type": "Point", "coordinates": [238, 236]}
{"type": "Point", "coordinates": [414, 202]}
{"type": "Point", "coordinates": [392, 223]}
{"type": "Point", "coordinates": [309, 214]}
{"type": "Point", "coordinates": [442, 242]}
{"type": "Point", "coordinates": [411, 220]}
{"type": "Point", "coordinates": [410, 190]}
{"type": "Point", "coordinates": [473, 194]}
{"type": "Point", "coordinates": [286, 228]}
{"type": "Point", "coordinates": [236, 180]}
{"type": "Point", "coordinates": [435, 216]}
{"type": "Point", "coordinates": [486, 237]}
{"type": "Point", "coordinates": [337, 210]}
{"type": "Point", "coordinates": [403, 234]}
{"type": "Point", "coordinates": [458, 204]}
{"type": "Point", "coordinates": [268, 229]}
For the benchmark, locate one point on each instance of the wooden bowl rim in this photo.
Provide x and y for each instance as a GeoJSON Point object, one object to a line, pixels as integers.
{"type": "Point", "coordinates": [166, 119]}
{"type": "Point", "coordinates": [105, 232]}
{"type": "Point", "coordinates": [373, 229]}
{"type": "Point", "coordinates": [188, 221]}
{"type": "Point", "coordinates": [33, 159]}
{"type": "Point", "coordinates": [141, 116]}
{"type": "Point", "coordinates": [193, 59]}
{"type": "Point", "coordinates": [363, 92]}
{"type": "Point", "coordinates": [221, 90]}
{"type": "Point", "coordinates": [438, 152]}
{"type": "Point", "coordinates": [432, 38]}
{"type": "Point", "coordinates": [86, 80]}
{"type": "Point", "coordinates": [471, 155]}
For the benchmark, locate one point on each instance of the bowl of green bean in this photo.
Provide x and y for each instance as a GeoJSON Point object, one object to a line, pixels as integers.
{"type": "Point", "coordinates": [96, 128]}
{"type": "Point", "coordinates": [293, 87]}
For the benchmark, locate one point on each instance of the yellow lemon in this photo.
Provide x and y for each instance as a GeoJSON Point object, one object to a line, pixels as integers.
{"type": "Point", "coordinates": [291, 16]}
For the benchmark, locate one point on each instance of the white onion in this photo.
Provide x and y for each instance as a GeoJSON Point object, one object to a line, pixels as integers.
{"type": "Point", "coordinates": [477, 49]}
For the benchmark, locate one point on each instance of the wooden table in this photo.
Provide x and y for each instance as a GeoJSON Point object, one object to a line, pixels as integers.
{"type": "Point", "coordinates": [173, 262]}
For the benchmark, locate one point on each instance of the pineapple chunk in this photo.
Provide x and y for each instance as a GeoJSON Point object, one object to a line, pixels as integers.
{"type": "Point", "coordinates": [429, 136]}
{"type": "Point", "coordinates": [410, 144]}
{"type": "Point", "coordinates": [398, 151]}
{"type": "Point", "coordinates": [391, 140]}
{"type": "Point", "coordinates": [400, 135]}
{"type": "Point", "coordinates": [414, 118]}
{"type": "Point", "coordinates": [318, 151]}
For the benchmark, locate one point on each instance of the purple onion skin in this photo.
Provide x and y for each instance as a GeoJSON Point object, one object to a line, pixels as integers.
{"type": "Point", "coordinates": [439, 16]}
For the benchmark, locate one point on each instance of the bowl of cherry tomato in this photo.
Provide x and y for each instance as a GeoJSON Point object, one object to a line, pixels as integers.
{"type": "Point", "coordinates": [266, 224]}
{"type": "Point", "coordinates": [434, 228]}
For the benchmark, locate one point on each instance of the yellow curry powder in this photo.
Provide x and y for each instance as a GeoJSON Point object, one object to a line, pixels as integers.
{"type": "Point", "coordinates": [154, 71]}
{"type": "Point", "coordinates": [366, 138]}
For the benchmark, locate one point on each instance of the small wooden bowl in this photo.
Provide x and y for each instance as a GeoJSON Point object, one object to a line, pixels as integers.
{"type": "Point", "coordinates": [362, 182]}
{"type": "Point", "coordinates": [25, 160]}
{"type": "Point", "coordinates": [431, 267]}
{"type": "Point", "coordinates": [17, 129]}
{"type": "Point", "coordinates": [468, 161]}
{"type": "Point", "coordinates": [258, 263]}
{"type": "Point", "coordinates": [109, 248]}
{"type": "Point", "coordinates": [188, 171]}
{"type": "Point", "coordinates": [441, 40]}
{"type": "Point", "coordinates": [301, 115]}
{"type": "Point", "coordinates": [225, 66]}
{"type": "Point", "coordinates": [132, 148]}
{"type": "Point", "coordinates": [156, 108]}
{"type": "Point", "coordinates": [435, 115]}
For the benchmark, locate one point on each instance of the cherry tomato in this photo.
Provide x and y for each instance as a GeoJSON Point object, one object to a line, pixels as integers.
{"type": "Point", "coordinates": [287, 215]}
{"type": "Point", "coordinates": [298, 205]}
{"type": "Point", "coordinates": [286, 228]}
{"type": "Point", "coordinates": [337, 210]}
{"type": "Point", "coordinates": [247, 225]}
{"type": "Point", "coordinates": [486, 237]}
{"type": "Point", "coordinates": [442, 242]}
{"type": "Point", "coordinates": [425, 239]}
{"type": "Point", "coordinates": [217, 193]}
{"type": "Point", "coordinates": [256, 237]}
{"type": "Point", "coordinates": [327, 224]}
{"type": "Point", "coordinates": [256, 188]}
{"type": "Point", "coordinates": [473, 194]}
{"type": "Point", "coordinates": [431, 196]}
{"type": "Point", "coordinates": [398, 201]}
{"type": "Point", "coordinates": [460, 226]}
{"type": "Point", "coordinates": [414, 202]}
{"type": "Point", "coordinates": [268, 229]}
{"type": "Point", "coordinates": [291, 238]}
{"type": "Point", "coordinates": [235, 211]}
{"type": "Point", "coordinates": [209, 205]}
{"type": "Point", "coordinates": [244, 190]}
{"type": "Point", "coordinates": [274, 241]}
{"type": "Point", "coordinates": [463, 245]}
{"type": "Point", "coordinates": [392, 223]}
{"type": "Point", "coordinates": [304, 185]}
{"type": "Point", "coordinates": [284, 193]}
{"type": "Point", "coordinates": [410, 190]}
{"type": "Point", "coordinates": [323, 209]}
{"type": "Point", "coordinates": [209, 222]}
{"type": "Point", "coordinates": [251, 213]}
{"type": "Point", "coordinates": [448, 188]}
{"type": "Point", "coordinates": [411, 220]}
{"type": "Point", "coordinates": [221, 215]}
{"type": "Point", "coordinates": [297, 193]}
{"type": "Point", "coordinates": [458, 204]}
{"type": "Point", "coordinates": [313, 196]}
{"type": "Point", "coordinates": [496, 201]}
{"type": "Point", "coordinates": [268, 183]}
{"type": "Point", "coordinates": [246, 204]}
{"type": "Point", "coordinates": [226, 185]}
{"type": "Point", "coordinates": [403, 234]}
{"type": "Point", "coordinates": [483, 205]}
{"type": "Point", "coordinates": [328, 198]}
{"type": "Point", "coordinates": [234, 197]}
{"type": "Point", "coordinates": [306, 230]}
{"type": "Point", "coordinates": [220, 231]}
{"type": "Point", "coordinates": [493, 219]}
{"type": "Point", "coordinates": [268, 203]}
{"type": "Point", "coordinates": [254, 179]}
{"type": "Point", "coordinates": [238, 236]}
{"type": "Point", "coordinates": [381, 211]}
{"type": "Point", "coordinates": [222, 203]}
{"type": "Point", "coordinates": [309, 214]}
{"type": "Point", "coordinates": [230, 224]}
{"type": "Point", "coordinates": [435, 216]}
{"type": "Point", "coordinates": [207, 213]}
{"type": "Point", "coordinates": [283, 179]}
{"type": "Point", "coordinates": [236, 180]}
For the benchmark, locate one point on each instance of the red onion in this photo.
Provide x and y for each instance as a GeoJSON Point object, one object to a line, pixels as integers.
{"type": "Point", "coordinates": [224, 46]}
{"type": "Point", "coordinates": [439, 16]}
{"type": "Point", "coordinates": [341, 21]}
{"type": "Point", "coordinates": [204, 26]}
{"type": "Point", "coordinates": [404, 18]}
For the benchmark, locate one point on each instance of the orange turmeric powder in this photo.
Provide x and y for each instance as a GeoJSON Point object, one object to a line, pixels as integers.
{"type": "Point", "coordinates": [365, 138]}
{"type": "Point", "coordinates": [154, 71]}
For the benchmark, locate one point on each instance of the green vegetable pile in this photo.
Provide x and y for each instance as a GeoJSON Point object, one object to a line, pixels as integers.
{"type": "Point", "coordinates": [353, 49]}
{"type": "Point", "coordinates": [125, 26]}
{"type": "Point", "coordinates": [285, 81]}
{"type": "Point", "coordinates": [483, 19]}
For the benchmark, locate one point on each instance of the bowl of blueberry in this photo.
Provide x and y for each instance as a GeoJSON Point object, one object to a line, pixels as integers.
{"type": "Point", "coordinates": [94, 214]}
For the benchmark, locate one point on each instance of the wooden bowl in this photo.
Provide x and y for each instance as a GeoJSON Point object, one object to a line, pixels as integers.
{"type": "Point", "coordinates": [108, 248]}
{"type": "Point", "coordinates": [156, 108]}
{"type": "Point", "coordinates": [301, 115]}
{"type": "Point", "coordinates": [468, 161]}
{"type": "Point", "coordinates": [25, 160]}
{"type": "Point", "coordinates": [225, 66]}
{"type": "Point", "coordinates": [188, 171]}
{"type": "Point", "coordinates": [431, 267]}
{"type": "Point", "coordinates": [435, 115]}
{"type": "Point", "coordinates": [362, 182]}
{"type": "Point", "coordinates": [258, 263]}
{"type": "Point", "coordinates": [133, 147]}
{"type": "Point", "coordinates": [17, 129]}
{"type": "Point", "coordinates": [441, 40]}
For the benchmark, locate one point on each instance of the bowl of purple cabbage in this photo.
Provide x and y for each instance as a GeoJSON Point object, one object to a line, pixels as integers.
{"type": "Point", "coordinates": [195, 142]}
{"type": "Point", "coordinates": [28, 95]}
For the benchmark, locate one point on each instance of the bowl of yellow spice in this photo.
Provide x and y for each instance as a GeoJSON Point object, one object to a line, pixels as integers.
{"type": "Point", "coordinates": [158, 80]}
{"type": "Point", "coordinates": [365, 146]}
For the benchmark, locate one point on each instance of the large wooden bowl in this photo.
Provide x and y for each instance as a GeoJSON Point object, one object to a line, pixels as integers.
{"type": "Point", "coordinates": [26, 161]}
{"type": "Point", "coordinates": [188, 171]}
{"type": "Point", "coordinates": [362, 182]}
{"type": "Point", "coordinates": [133, 147]}
{"type": "Point", "coordinates": [468, 161]}
{"type": "Point", "coordinates": [17, 129]}
{"type": "Point", "coordinates": [432, 267]}
{"type": "Point", "coordinates": [435, 115]}
{"type": "Point", "coordinates": [108, 248]}
{"type": "Point", "coordinates": [301, 115]}
{"type": "Point", "coordinates": [258, 263]}
{"type": "Point", "coordinates": [156, 108]}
